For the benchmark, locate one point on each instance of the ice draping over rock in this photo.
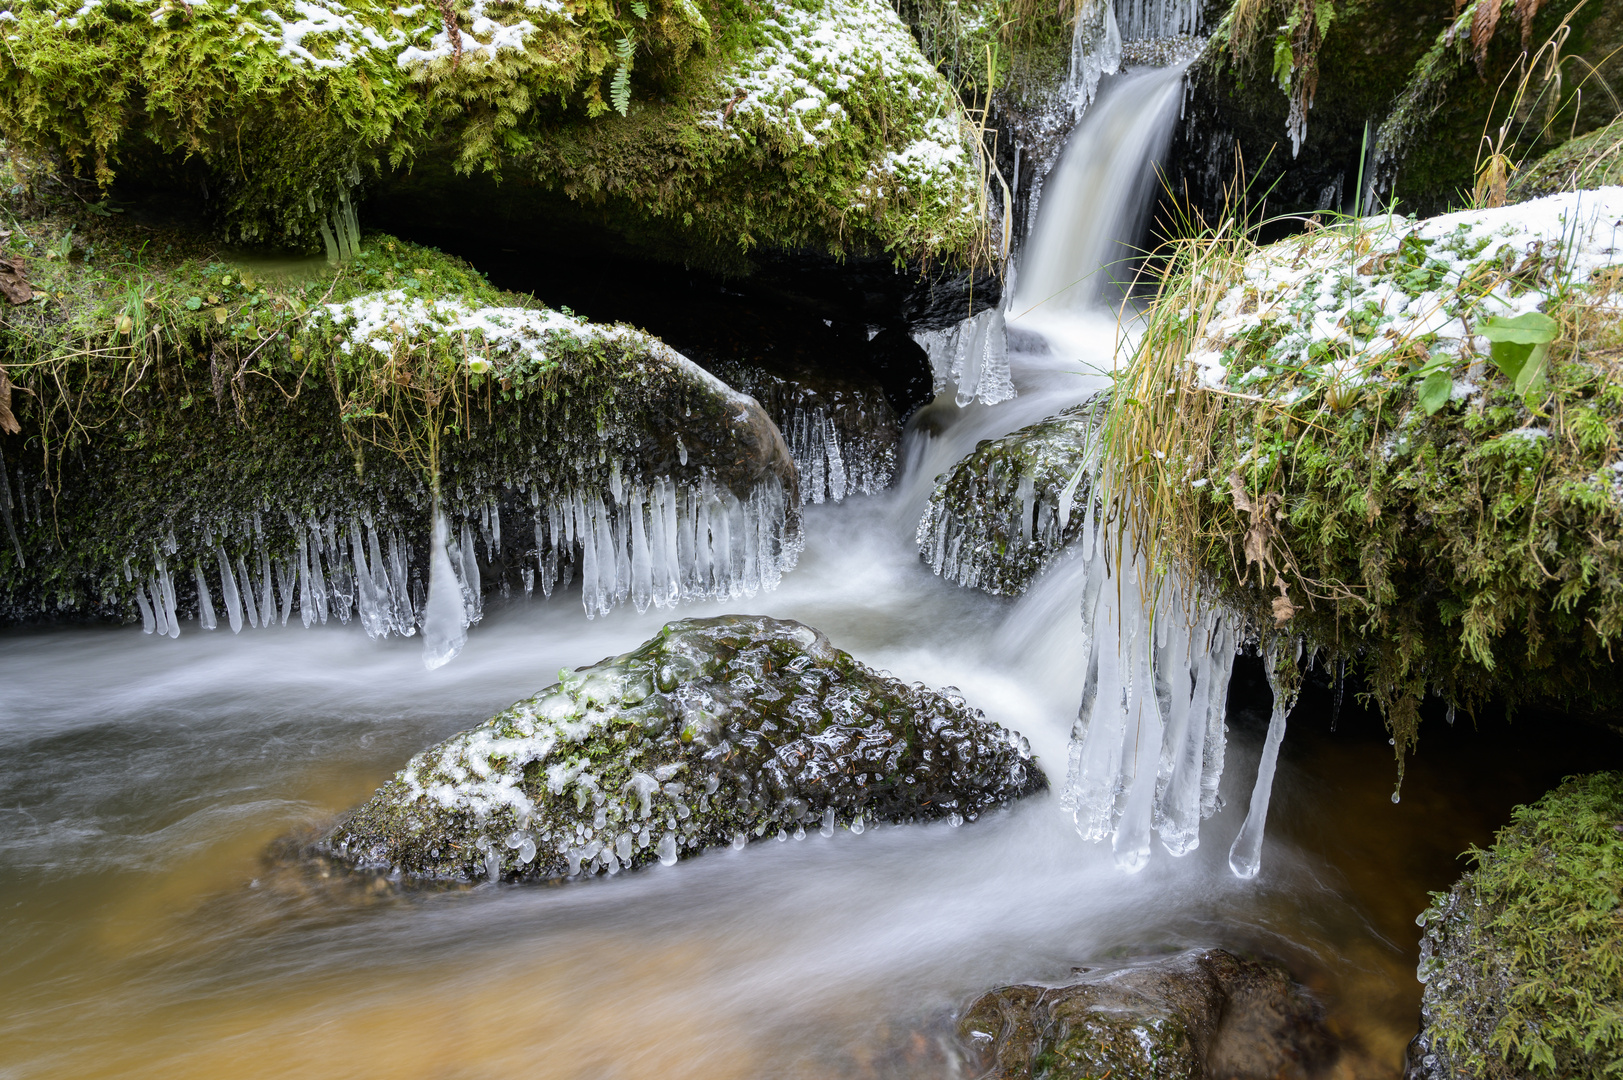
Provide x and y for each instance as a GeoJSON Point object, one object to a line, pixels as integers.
{"type": "Point", "coordinates": [718, 731]}
{"type": "Point", "coordinates": [1351, 304]}
{"type": "Point", "coordinates": [972, 358]}
{"type": "Point", "coordinates": [1147, 749]}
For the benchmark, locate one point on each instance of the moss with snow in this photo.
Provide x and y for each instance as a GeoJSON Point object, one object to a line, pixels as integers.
{"type": "Point", "coordinates": [818, 123]}
{"type": "Point", "coordinates": [1339, 450]}
{"type": "Point", "coordinates": [183, 413]}
{"type": "Point", "coordinates": [717, 731]}
{"type": "Point", "coordinates": [1523, 958]}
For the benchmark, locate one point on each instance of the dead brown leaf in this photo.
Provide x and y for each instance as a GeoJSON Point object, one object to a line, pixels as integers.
{"type": "Point", "coordinates": [8, 421]}
{"type": "Point", "coordinates": [14, 280]}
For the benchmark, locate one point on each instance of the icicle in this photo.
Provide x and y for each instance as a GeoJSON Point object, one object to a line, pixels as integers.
{"type": "Point", "coordinates": [5, 512]}
{"type": "Point", "coordinates": [228, 591]}
{"type": "Point", "coordinates": [166, 585]}
{"type": "Point", "coordinates": [246, 591]}
{"type": "Point", "coordinates": [1245, 857]}
{"type": "Point", "coordinates": [148, 620]}
{"type": "Point", "coordinates": [472, 590]}
{"type": "Point", "coordinates": [205, 602]}
{"type": "Point", "coordinates": [642, 568]}
{"type": "Point", "coordinates": [369, 604]}
{"type": "Point", "coordinates": [445, 628]}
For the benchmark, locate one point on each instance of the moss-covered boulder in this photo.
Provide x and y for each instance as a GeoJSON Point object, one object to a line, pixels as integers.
{"type": "Point", "coordinates": [1401, 440]}
{"type": "Point", "coordinates": [1523, 958]}
{"type": "Point", "coordinates": [717, 731]}
{"type": "Point", "coordinates": [716, 122]}
{"type": "Point", "coordinates": [199, 435]}
{"type": "Point", "coordinates": [1003, 513]}
{"type": "Point", "coordinates": [1198, 1014]}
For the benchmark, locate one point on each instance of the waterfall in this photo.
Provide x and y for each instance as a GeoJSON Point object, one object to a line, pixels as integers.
{"type": "Point", "coordinates": [1147, 748]}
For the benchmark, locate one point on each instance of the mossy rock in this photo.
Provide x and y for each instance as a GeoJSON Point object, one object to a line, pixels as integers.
{"type": "Point", "coordinates": [1588, 161]}
{"type": "Point", "coordinates": [814, 123]}
{"type": "Point", "coordinates": [184, 414]}
{"type": "Point", "coordinates": [1522, 959]}
{"type": "Point", "coordinates": [1003, 513]}
{"type": "Point", "coordinates": [717, 731]}
{"type": "Point", "coordinates": [1200, 1013]}
{"type": "Point", "coordinates": [1351, 461]}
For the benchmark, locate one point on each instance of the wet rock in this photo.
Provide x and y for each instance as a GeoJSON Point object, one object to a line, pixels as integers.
{"type": "Point", "coordinates": [1200, 1014]}
{"type": "Point", "coordinates": [716, 731]}
{"type": "Point", "coordinates": [841, 432]}
{"type": "Point", "coordinates": [1002, 515]}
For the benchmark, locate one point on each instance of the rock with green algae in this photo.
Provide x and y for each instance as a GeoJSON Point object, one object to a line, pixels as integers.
{"type": "Point", "coordinates": [815, 123]}
{"type": "Point", "coordinates": [1005, 512]}
{"type": "Point", "coordinates": [1202, 1013]}
{"type": "Point", "coordinates": [717, 731]}
{"type": "Point", "coordinates": [1339, 416]}
{"type": "Point", "coordinates": [203, 437]}
{"type": "Point", "coordinates": [1522, 959]}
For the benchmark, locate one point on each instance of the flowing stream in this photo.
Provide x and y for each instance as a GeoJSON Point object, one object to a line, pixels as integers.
{"type": "Point", "coordinates": [144, 932]}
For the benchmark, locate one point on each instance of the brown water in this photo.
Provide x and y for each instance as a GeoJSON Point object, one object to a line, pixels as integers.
{"type": "Point", "coordinates": [144, 932]}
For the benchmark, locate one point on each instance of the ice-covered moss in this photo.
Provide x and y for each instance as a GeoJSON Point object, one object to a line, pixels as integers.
{"type": "Point", "coordinates": [717, 731]}
{"type": "Point", "coordinates": [226, 440]}
{"type": "Point", "coordinates": [1352, 459]}
{"type": "Point", "coordinates": [816, 123]}
{"type": "Point", "coordinates": [1523, 959]}
{"type": "Point", "coordinates": [999, 518]}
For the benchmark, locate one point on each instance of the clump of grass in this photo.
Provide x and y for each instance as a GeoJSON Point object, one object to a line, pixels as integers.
{"type": "Point", "coordinates": [1463, 546]}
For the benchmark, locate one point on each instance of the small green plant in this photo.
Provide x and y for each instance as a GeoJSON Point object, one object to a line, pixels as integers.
{"type": "Point", "coordinates": [1521, 347]}
{"type": "Point", "coordinates": [620, 85]}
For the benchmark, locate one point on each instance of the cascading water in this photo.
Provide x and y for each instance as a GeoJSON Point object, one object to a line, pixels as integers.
{"type": "Point", "coordinates": [1146, 753]}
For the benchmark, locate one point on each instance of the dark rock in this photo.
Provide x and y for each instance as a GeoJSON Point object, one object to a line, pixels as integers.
{"type": "Point", "coordinates": [841, 432]}
{"type": "Point", "coordinates": [1200, 1014]}
{"type": "Point", "coordinates": [999, 518]}
{"type": "Point", "coordinates": [715, 731]}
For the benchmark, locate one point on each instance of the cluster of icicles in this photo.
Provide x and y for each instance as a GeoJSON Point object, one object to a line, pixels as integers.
{"type": "Point", "coordinates": [1146, 752]}
{"type": "Point", "coordinates": [972, 357]}
{"type": "Point", "coordinates": [659, 545]}
{"type": "Point", "coordinates": [830, 467]}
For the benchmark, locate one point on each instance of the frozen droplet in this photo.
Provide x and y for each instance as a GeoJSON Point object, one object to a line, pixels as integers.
{"type": "Point", "coordinates": [740, 838]}
{"type": "Point", "coordinates": [1395, 797]}
{"type": "Point", "coordinates": [857, 826]}
{"type": "Point", "coordinates": [667, 849]}
{"type": "Point", "coordinates": [526, 851]}
{"type": "Point", "coordinates": [955, 820]}
{"type": "Point", "coordinates": [827, 828]}
{"type": "Point", "coordinates": [782, 836]}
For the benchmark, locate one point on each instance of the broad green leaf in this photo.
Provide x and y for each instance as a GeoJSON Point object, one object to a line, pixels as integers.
{"type": "Point", "coordinates": [1531, 377]}
{"type": "Point", "coordinates": [1435, 391]}
{"type": "Point", "coordinates": [1533, 328]}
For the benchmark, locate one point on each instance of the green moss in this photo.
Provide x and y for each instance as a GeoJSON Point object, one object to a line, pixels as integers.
{"type": "Point", "coordinates": [1523, 958]}
{"type": "Point", "coordinates": [1588, 161]}
{"type": "Point", "coordinates": [710, 129]}
{"type": "Point", "coordinates": [176, 402]}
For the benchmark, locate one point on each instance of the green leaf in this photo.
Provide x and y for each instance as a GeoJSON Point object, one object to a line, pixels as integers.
{"type": "Point", "coordinates": [1533, 328]}
{"type": "Point", "coordinates": [193, 303]}
{"type": "Point", "coordinates": [639, 9]}
{"type": "Point", "coordinates": [1284, 62]}
{"type": "Point", "coordinates": [1435, 391]}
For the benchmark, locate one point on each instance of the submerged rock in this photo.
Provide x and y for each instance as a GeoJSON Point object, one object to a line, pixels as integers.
{"type": "Point", "coordinates": [716, 731]}
{"type": "Point", "coordinates": [999, 518]}
{"type": "Point", "coordinates": [1203, 1013]}
{"type": "Point", "coordinates": [1522, 959]}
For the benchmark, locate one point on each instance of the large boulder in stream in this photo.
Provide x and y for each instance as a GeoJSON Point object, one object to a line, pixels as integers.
{"type": "Point", "coordinates": [1003, 513]}
{"type": "Point", "coordinates": [235, 439]}
{"type": "Point", "coordinates": [1523, 958]}
{"type": "Point", "coordinates": [1200, 1014]}
{"type": "Point", "coordinates": [717, 731]}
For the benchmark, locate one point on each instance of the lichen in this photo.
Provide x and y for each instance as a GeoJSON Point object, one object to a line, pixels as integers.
{"type": "Point", "coordinates": [717, 731]}
{"type": "Point", "coordinates": [1522, 959]}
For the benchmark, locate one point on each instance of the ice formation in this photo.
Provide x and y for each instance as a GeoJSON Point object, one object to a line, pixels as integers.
{"type": "Point", "coordinates": [1144, 19]}
{"type": "Point", "coordinates": [1095, 53]}
{"type": "Point", "coordinates": [1147, 749]}
{"type": "Point", "coordinates": [716, 731]}
{"type": "Point", "coordinates": [843, 437]}
{"type": "Point", "coordinates": [972, 357]}
{"type": "Point", "coordinates": [1245, 856]}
